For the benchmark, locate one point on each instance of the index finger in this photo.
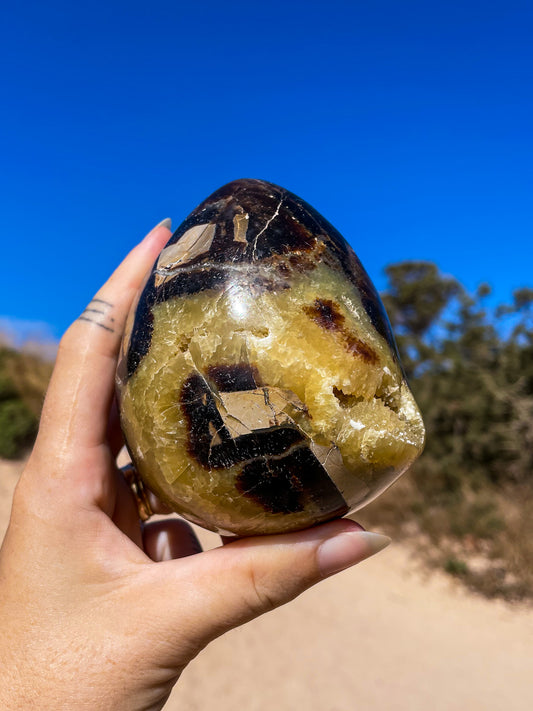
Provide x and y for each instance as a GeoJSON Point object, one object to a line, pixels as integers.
{"type": "Point", "coordinates": [79, 396]}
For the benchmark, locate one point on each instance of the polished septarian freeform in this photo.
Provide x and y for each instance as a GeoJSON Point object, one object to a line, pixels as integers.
{"type": "Point", "coordinates": [259, 383]}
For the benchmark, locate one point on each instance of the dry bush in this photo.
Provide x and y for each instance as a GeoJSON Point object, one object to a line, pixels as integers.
{"type": "Point", "coordinates": [483, 538]}
{"type": "Point", "coordinates": [23, 381]}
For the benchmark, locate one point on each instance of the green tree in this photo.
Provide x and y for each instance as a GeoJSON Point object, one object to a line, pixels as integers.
{"type": "Point", "coordinates": [416, 298]}
{"type": "Point", "coordinates": [472, 381]}
{"type": "Point", "coordinates": [470, 366]}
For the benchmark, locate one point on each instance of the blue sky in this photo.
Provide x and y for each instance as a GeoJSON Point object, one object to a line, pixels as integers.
{"type": "Point", "coordinates": [408, 124]}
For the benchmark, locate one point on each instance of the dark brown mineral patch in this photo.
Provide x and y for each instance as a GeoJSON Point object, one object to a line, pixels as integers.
{"type": "Point", "coordinates": [327, 315]}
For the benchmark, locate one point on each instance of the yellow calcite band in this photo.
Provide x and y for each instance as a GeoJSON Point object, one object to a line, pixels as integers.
{"type": "Point", "coordinates": [356, 406]}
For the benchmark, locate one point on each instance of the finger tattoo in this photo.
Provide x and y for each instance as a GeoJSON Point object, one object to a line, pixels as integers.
{"type": "Point", "coordinates": [98, 312]}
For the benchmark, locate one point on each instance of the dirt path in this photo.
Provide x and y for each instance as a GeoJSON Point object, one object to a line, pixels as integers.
{"type": "Point", "coordinates": [380, 637]}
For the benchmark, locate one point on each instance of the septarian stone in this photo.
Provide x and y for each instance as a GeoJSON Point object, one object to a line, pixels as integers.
{"type": "Point", "coordinates": [259, 384]}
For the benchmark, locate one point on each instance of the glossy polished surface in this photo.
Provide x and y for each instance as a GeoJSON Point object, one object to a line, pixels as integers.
{"type": "Point", "coordinates": [259, 384]}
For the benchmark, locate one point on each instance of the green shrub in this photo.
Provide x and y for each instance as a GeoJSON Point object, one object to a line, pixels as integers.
{"type": "Point", "coordinates": [8, 390]}
{"type": "Point", "coordinates": [18, 426]}
{"type": "Point", "coordinates": [456, 567]}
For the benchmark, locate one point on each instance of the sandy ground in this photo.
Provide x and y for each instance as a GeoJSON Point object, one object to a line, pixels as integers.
{"type": "Point", "coordinates": [382, 636]}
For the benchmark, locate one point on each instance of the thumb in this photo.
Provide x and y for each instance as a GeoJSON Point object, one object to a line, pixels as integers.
{"type": "Point", "coordinates": [228, 586]}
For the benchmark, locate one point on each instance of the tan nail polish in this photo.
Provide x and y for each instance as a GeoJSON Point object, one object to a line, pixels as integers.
{"type": "Point", "coordinates": [167, 222]}
{"type": "Point", "coordinates": [347, 549]}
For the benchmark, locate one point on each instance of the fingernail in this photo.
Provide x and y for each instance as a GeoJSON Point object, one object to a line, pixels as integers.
{"type": "Point", "coordinates": [348, 548]}
{"type": "Point", "coordinates": [162, 546]}
{"type": "Point", "coordinates": [167, 222]}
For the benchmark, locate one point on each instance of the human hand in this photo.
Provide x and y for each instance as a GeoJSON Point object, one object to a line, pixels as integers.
{"type": "Point", "coordinates": [96, 613]}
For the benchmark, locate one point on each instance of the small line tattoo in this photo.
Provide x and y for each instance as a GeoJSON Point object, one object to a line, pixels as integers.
{"type": "Point", "coordinates": [101, 301]}
{"type": "Point", "coordinates": [100, 309]}
{"type": "Point", "coordinates": [90, 320]}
